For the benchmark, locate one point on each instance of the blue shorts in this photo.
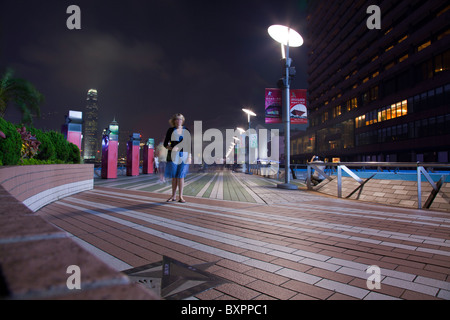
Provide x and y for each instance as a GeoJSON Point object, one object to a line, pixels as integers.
{"type": "Point", "coordinates": [174, 170]}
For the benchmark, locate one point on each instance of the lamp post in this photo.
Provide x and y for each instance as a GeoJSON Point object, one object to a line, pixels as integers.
{"type": "Point", "coordinates": [249, 114]}
{"type": "Point", "coordinates": [289, 38]}
{"type": "Point", "coordinates": [242, 131]}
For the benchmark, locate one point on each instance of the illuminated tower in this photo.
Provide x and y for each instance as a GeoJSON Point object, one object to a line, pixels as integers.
{"type": "Point", "coordinates": [90, 135]}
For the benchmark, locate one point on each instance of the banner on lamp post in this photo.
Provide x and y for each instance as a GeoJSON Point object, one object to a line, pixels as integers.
{"type": "Point", "coordinates": [274, 102]}
{"type": "Point", "coordinates": [299, 113]}
{"type": "Point", "coordinates": [273, 106]}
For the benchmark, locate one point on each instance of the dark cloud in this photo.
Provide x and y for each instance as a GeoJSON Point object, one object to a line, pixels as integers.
{"type": "Point", "coordinates": [93, 59]}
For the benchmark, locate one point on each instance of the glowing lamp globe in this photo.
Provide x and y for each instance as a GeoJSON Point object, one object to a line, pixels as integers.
{"type": "Point", "coordinates": [249, 112]}
{"type": "Point", "coordinates": [285, 35]}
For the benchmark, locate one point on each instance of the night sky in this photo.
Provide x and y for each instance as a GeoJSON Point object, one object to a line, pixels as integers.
{"type": "Point", "coordinates": [149, 59]}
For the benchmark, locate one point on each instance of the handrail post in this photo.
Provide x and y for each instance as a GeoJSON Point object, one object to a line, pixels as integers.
{"type": "Point", "coordinates": [339, 181]}
{"type": "Point", "coordinates": [419, 187]}
{"type": "Point", "coordinates": [308, 177]}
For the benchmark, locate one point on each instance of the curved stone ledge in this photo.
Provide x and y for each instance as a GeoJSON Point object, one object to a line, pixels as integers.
{"type": "Point", "coordinates": [37, 186]}
{"type": "Point", "coordinates": [34, 254]}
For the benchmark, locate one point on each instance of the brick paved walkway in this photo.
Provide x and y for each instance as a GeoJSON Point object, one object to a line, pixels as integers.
{"type": "Point", "coordinates": [268, 243]}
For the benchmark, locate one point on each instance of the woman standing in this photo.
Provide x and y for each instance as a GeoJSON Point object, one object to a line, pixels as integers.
{"type": "Point", "coordinates": [178, 160]}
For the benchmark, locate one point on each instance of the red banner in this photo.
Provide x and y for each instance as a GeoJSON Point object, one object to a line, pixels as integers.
{"type": "Point", "coordinates": [299, 113]}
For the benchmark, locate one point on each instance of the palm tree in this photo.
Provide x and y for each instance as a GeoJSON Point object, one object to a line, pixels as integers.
{"type": "Point", "coordinates": [21, 93]}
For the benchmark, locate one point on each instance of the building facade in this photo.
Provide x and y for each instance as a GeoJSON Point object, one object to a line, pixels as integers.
{"type": "Point", "coordinates": [90, 128]}
{"type": "Point", "coordinates": [377, 94]}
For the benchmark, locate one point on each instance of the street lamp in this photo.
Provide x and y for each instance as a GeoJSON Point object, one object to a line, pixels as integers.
{"type": "Point", "coordinates": [241, 131]}
{"type": "Point", "coordinates": [289, 38]}
{"type": "Point", "coordinates": [249, 114]}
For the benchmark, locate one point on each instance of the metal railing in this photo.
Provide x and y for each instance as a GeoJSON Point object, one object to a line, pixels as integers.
{"type": "Point", "coordinates": [420, 169]}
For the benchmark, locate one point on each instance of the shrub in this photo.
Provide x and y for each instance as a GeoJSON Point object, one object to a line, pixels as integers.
{"type": "Point", "coordinates": [74, 154]}
{"type": "Point", "coordinates": [46, 148]}
{"type": "Point", "coordinates": [30, 145]}
{"type": "Point", "coordinates": [53, 148]}
{"type": "Point", "coordinates": [62, 148]}
{"type": "Point", "coordinates": [11, 146]}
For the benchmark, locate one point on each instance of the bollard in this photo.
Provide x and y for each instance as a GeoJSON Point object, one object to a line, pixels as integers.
{"type": "Point", "coordinates": [148, 155]}
{"type": "Point", "coordinates": [133, 155]}
{"type": "Point", "coordinates": [110, 149]}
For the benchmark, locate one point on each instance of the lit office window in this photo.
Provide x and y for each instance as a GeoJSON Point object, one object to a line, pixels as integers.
{"type": "Point", "coordinates": [442, 62]}
{"type": "Point", "coordinates": [383, 114]}
{"type": "Point", "coordinates": [404, 108]}
{"type": "Point", "coordinates": [360, 121]}
{"type": "Point", "coordinates": [337, 111]}
{"type": "Point", "coordinates": [389, 113]}
{"type": "Point", "coordinates": [398, 109]}
{"type": "Point", "coordinates": [353, 103]}
{"type": "Point", "coordinates": [403, 39]}
{"type": "Point", "coordinates": [403, 58]}
{"type": "Point", "coordinates": [424, 45]}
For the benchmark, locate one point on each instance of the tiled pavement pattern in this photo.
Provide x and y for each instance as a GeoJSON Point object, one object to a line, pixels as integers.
{"type": "Point", "coordinates": [269, 243]}
{"type": "Point", "coordinates": [222, 185]}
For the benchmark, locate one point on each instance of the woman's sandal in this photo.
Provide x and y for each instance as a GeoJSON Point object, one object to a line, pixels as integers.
{"type": "Point", "coordinates": [171, 199]}
{"type": "Point", "coordinates": [182, 201]}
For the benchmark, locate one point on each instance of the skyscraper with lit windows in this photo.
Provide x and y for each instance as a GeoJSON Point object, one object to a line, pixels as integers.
{"type": "Point", "coordinates": [381, 94]}
{"type": "Point", "coordinates": [90, 132]}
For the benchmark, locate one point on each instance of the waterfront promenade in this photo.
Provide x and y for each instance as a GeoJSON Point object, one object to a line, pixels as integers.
{"type": "Point", "coordinates": [260, 242]}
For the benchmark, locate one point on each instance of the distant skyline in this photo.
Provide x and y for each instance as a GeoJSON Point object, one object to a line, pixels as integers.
{"type": "Point", "coordinates": [151, 59]}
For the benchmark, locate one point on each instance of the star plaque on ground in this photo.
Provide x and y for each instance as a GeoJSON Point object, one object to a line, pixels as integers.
{"type": "Point", "coordinates": [174, 280]}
